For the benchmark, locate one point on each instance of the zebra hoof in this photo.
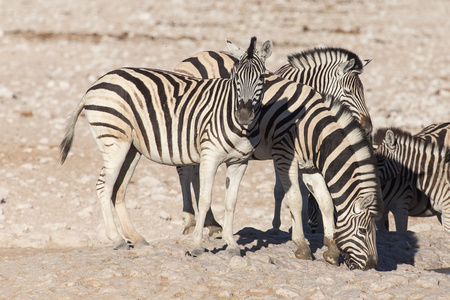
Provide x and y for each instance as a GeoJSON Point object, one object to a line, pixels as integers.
{"type": "Point", "coordinates": [331, 257]}
{"type": "Point", "coordinates": [332, 254]}
{"type": "Point", "coordinates": [122, 245]}
{"type": "Point", "coordinates": [303, 253]}
{"type": "Point", "coordinates": [215, 232]}
{"type": "Point", "coordinates": [197, 252]}
{"type": "Point", "coordinates": [188, 230]}
{"type": "Point", "coordinates": [233, 252]}
{"type": "Point", "coordinates": [141, 244]}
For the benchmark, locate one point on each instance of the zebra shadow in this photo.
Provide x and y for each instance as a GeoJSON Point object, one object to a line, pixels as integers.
{"type": "Point", "coordinates": [253, 239]}
{"type": "Point", "coordinates": [396, 248]}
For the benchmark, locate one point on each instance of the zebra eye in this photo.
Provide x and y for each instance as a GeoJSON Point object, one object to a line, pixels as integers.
{"type": "Point", "coordinates": [362, 231]}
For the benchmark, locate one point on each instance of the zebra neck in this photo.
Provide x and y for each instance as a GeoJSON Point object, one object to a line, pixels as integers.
{"type": "Point", "coordinates": [420, 162]}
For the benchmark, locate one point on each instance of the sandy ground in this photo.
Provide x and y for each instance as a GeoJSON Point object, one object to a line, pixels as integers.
{"type": "Point", "coordinates": [52, 238]}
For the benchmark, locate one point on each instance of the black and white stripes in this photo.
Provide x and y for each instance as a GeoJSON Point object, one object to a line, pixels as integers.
{"type": "Point", "coordinates": [421, 164]}
{"type": "Point", "coordinates": [332, 71]}
{"type": "Point", "coordinates": [308, 137]}
{"type": "Point", "coordinates": [175, 120]}
{"type": "Point", "coordinates": [415, 174]}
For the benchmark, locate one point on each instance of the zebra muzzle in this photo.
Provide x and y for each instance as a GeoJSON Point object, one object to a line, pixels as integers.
{"type": "Point", "coordinates": [244, 112]}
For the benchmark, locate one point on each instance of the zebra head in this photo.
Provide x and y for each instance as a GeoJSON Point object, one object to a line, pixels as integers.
{"type": "Point", "coordinates": [352, 90]}
{"type": "Point", "coordinates": [248, 76]}
{"type": "Point", "coordinates": [385, 144]}
{"type": "Point", "coordinates": [332, 71]}
{"type": "Point", "coordinates": [355, 234]}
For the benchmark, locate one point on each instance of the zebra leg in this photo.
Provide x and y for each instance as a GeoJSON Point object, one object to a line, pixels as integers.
{"type": "Point", "coordinates": [208, 170]}
{"type": "Point", "coordinates": [317, 186]}
{"type": "Point", "coordinates": [278, 192]}
{"type": "Point", "coordinates": [113, 160]}
{"type": "Point", "coordinates": [400, 212]}
{"type": "Point", "coordinates": [118, 198]}
{"type": "Point", "coordinates": [235, 172]}
{"type": "Point", "coordinates": [215, 230]}
{"type": "Point", "coordinates": [383, 222]}
{"type": "Point", "coordinates": [289, 178]}
{"type": "Point", "coordinates": [444, 218]}
{"type": "Point", "coordinates": [185, 174]}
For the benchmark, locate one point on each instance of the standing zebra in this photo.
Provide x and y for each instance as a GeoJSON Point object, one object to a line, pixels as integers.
{"type": "Point", "coordinates": [401, 197]}
{"type": "Point", "coordinates": [175, 120]}
{"type": "Point", "coordinates": [298, 128]}
{"type": "Point", "coordinates": [422, 164]}
{"type": "Point", "coordinates": [330, 71]}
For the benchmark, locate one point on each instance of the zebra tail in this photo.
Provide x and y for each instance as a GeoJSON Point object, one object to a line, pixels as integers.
{"type": "Point", "coordinates": [66, 143]}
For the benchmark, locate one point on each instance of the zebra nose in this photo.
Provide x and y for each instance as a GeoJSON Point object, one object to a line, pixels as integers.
{"type": "Point", "coordinates": [371, 263]}
{"type": "Point", "coordinates": [244, 112]}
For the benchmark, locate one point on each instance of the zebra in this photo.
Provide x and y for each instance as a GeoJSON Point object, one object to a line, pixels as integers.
{"type": "Point", "coordinates": [332, 71]}
{"type": "Point", "coordinates": [301, 148]}
{"type": "Point", "coordinates": [401, 197]}
{"type": "Point", "coordinates": [175, 120]}
{"type": "Point", "coordinates": [424, 165]}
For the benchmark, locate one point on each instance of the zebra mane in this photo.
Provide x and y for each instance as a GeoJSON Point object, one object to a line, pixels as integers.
{"type": "Point", "coordinates": [323, 56]}
{"type": "Point", "coordinates": [251, 49]}
{"type": "Point", "coordinates": [345, 119]}
{"type": "Point", "coordinates": [357, 137]}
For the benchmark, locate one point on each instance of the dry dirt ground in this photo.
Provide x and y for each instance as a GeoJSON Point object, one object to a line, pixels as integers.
{"type": "Point", "coordinates": [52, 238]}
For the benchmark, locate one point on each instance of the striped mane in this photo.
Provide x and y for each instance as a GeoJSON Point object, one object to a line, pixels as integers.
{"type": "Point", "coordinates": [346, 120]}
{"type": "Point", "coordinates": [312, 58]}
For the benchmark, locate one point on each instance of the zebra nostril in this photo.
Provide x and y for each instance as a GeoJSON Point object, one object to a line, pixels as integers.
{"type": "Point", "coordinates": [371, 263]}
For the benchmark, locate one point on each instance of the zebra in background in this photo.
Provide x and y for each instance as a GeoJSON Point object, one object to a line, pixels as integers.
{"type": "Point", "coordinates": [401, 197]}
{"type": "Point", "coordinates": [175, 120]}
{"type": "Point", "coordinates": [331, 71]}
{"type": "Point", "coordinates": [424, 165]}
{"type": "Point", "coordinates": [305, 148]}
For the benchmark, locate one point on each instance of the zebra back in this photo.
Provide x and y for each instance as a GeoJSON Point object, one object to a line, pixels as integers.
{"type": "Point", "coordinates": [332, 71]}
{"type": "Point", "coordinates": [207, 64]}
{"type": "Point", "coordinates": [436, 133]}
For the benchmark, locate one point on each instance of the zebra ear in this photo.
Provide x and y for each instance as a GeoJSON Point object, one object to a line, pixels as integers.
{"type": "Point", "coordinates": [366, 62]}
{"type": "Point", "coordinates": [236, 51]}
{"type": "Point", "coordinates": [266, 50]}
{"type": "Point", "coordinates": [346, 66]}
{"type": "Point", "coordinates": [370, 202]}
{"type": "Point", "coordinates": [390, 139]}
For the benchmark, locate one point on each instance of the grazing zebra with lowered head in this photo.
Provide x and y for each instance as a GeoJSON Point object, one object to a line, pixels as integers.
{"type": "Point", "coordinates": [331, 71]}
{"type": "Point", "coordinates": [401, 197]}
{"type": "Point", "coordinates": [298, 128]}
{"type": "Point", "coordinates": [424, 165]}
{"type": "Point", "coordinates": [174, 120]}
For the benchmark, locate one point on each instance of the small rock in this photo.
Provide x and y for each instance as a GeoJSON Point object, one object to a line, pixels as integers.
{"type": "Point", "coordinates": [238, 262]}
